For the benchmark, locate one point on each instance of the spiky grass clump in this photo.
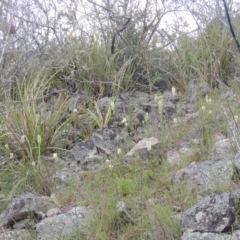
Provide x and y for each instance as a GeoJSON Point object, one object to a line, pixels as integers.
{"type": "Point", "coordinates": [31, 131]}
{"type": "Point", "coordinates": [209, 56]}
{"type": "Point", "coordinates": [89, 65]}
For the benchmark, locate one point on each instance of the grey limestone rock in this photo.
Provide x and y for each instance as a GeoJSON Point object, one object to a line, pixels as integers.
{"type": "Point", "coordinates": [215, 213]}
{"type": "Point", "coordinates": [70, 225]}
{"type": "Point", "coordinates": [210, 236]}
{"type": "Point", "coordinates": [206, 175]}
{"type": "Point", "coordinates": [106, 142]}
{"type": "Point", "coordinates": [23, 207]}
{"type": "Point", "coordinates": [168, 109]}
{"type": "Point", "coordinates": [19, 234]}
{"type": "Point", "coordinates": [83, 149]}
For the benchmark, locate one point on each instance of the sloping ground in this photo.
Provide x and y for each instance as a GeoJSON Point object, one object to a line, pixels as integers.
{"type": "Point", "coordinates": [137, 166]}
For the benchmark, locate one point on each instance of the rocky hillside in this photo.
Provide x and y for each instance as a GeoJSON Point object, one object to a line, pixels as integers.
{"type": "Point", "coordinates": [135, 166]}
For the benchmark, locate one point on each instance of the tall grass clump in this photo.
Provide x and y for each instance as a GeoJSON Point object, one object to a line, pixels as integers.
{"type": "Point", "coordinates": [208, 56]}
{"type": "Point", "coordinates": [88, 65]}
{"type": "Point", "coordinates": [31, 130]}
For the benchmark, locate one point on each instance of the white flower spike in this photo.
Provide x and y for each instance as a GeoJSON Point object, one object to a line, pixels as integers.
{"type": "Point", "coordinates": [119, 151]}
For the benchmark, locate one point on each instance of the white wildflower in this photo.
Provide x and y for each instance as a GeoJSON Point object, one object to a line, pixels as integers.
{"type": "Point", "coordinates": [149, 145]}
{"type": "Point", "coordinates": [54, 156]}
{"type": "Point", "coordinates": [11, 156]}
{"type": "Point", "coordinates": [208, 100]}
{"type": "Point", "coordinates": [203, 108]}
{"type": "Point", "coordinates": [112, 104]}
{"type": "Point", "coordinates": [175, 121]}
{"type": "Point", "coordinates": [33, 163]}
{"type": "Point", "coordinates": [22, 140]}
{"type": "Point", "coordinates": [107, 161]}
{"type": "Point", "coordinates": [39, 139]}
{"type": "Point", "coordinates": [119, 151]}
{"type": "Point", "coordinates": [173, 91]}
{"type": "Point", "coordinates": [159, 100]}
{"type": "Point", "coordinates": [110, 167]}
{"type": "Point", "coordinates": [75, 110]}
{"type": "Point", "coordinates": [124, 120]}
